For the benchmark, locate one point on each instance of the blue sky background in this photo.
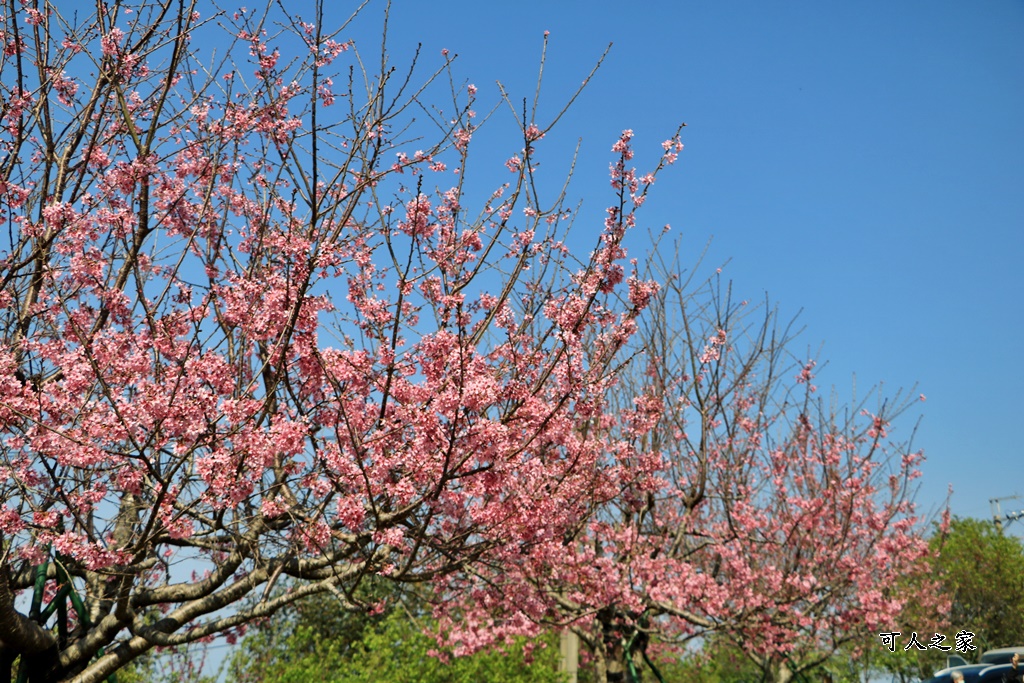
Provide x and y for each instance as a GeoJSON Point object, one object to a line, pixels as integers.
{"type": "Point", "coordinates": [863, 162]}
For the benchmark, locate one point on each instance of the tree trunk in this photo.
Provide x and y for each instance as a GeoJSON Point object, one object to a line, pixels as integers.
{"type": "Point", "coordinates": [19, 635]}
{"type": "Point", "coordinates": [782, 673]}
{"type": "Point", "coordinates": [18, 632]}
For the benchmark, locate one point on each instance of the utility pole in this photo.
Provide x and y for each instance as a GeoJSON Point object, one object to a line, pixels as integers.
{"type": "Point", "coordinates": [997, 513]}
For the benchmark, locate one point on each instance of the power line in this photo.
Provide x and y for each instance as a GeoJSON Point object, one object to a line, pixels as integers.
{"type": "Point", "coordinates": [997, 514]}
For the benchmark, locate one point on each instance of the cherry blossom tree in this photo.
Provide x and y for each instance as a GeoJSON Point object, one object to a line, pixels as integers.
{"type": "Point", "coordinates": [754, 510]}
{"type": "Point", "coordinates": [260, 344]}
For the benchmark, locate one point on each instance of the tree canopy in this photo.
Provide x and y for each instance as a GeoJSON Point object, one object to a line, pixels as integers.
{"type": "Point", "coordinates": [978, 567]}
{"type": "Point", "coordinates": [769, 517]}
{"type": "Point", "coordinates": [264, 341]}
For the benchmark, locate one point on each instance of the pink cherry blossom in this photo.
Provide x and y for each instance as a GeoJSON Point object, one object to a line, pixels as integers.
{"type": "Point", "coordinates": [246, 333]}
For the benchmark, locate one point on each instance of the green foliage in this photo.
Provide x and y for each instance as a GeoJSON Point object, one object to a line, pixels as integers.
{"type": "Point", "coordinates": [723, 662]}
{"type": "Point", "coordinates": [318, 642]}
{"type": "Point", "coordinates": [176, 665]}
{"type": "Point", "coordinates": [982, 571]}
{"type": "Point", "coordinates": [717, 663]}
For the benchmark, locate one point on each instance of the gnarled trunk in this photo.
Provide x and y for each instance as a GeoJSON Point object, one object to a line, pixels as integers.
{"type": "Point", "coordinates": [19, 635]}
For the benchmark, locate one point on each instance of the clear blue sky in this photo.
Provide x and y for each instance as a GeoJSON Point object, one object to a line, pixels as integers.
{"type": "Point", "coordinates": [861, 161]}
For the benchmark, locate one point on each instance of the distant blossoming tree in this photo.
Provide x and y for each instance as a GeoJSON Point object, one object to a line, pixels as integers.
{"type": "Point", "coordinates": [255, 339]}
{"type": "Point", "coordinates": [752, 509]}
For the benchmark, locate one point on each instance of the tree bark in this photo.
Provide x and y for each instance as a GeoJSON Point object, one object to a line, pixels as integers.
{"type": "Point", "coordinates": [17, 632]}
